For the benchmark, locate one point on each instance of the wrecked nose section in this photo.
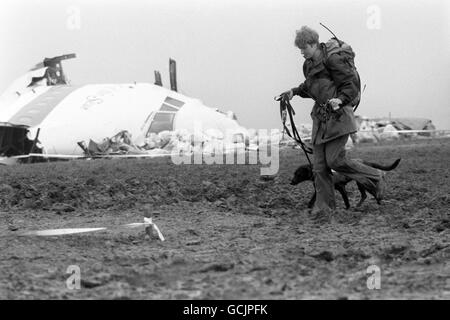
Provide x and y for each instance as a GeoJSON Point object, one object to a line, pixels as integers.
{"type": "Point", "coordinates": [14, 142]}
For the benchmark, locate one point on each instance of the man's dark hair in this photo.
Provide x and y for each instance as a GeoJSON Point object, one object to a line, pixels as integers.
{"type": "Point", "coordinates": [305, 36]}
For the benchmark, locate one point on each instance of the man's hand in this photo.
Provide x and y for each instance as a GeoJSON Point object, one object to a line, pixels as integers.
{"type": "Point", "coordinates": [335, 103]}
{"type": "Point", "coordinates": [287, 95]}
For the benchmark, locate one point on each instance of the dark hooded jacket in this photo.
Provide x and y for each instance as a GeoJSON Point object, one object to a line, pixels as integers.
{"type": "Point", "coordinates": [327, 78]}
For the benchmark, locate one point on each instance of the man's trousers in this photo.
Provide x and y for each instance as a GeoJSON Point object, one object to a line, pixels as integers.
{"type": "Point", "coordinates": [332, 155]}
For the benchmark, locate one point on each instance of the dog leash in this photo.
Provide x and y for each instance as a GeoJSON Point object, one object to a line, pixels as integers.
{"type": "Point", "coordinates": [286, 108]}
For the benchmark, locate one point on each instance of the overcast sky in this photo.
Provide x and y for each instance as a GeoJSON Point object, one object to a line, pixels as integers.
{"type": "Point", "coordinates": [237, 55]}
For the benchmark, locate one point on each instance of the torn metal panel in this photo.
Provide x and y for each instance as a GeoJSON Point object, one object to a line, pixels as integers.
{"type": "Point", "coordinates": [14, 140]}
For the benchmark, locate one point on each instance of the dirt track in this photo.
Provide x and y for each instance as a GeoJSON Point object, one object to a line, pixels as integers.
{"type": "Point", "coordinates": [229, 234]}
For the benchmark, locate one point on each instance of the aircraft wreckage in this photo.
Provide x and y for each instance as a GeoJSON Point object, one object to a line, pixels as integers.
{"type": "Point", "coordinates": [41, 114]}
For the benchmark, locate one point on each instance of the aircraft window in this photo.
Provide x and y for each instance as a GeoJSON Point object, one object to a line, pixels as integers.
{"type": "Point", "coordinates": [162, 121]}
{"type": "Point", "coordinates": [163, 118]}
{"type": "Point", "coordinates": [166, 107]}
{"type": "Point", "coordinates": [159, 116]}
{"type": "Point", "coordinates": [174, 102]}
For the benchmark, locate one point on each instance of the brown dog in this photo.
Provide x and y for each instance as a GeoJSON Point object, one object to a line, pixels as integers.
{"type": "Point", "coordinates": [304, 173]}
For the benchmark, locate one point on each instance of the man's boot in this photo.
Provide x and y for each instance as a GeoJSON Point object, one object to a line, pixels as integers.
{"type": "Point", "coordinates": [321, 215]}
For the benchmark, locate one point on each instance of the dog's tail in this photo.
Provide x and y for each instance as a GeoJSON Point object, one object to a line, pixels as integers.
{"type": "Point", "coordinates": [381, 167]}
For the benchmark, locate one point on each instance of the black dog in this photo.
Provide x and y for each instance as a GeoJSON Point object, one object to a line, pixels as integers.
{"type": "Point", "coordinates": [304, 173]}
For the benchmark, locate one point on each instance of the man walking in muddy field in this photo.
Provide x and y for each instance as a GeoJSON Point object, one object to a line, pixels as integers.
{"type": "Point", "coordinates": [330, 81]}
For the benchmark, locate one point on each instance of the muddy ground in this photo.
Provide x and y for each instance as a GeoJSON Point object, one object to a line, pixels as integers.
{"type": "Point", "coordinates": [229, 234]}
